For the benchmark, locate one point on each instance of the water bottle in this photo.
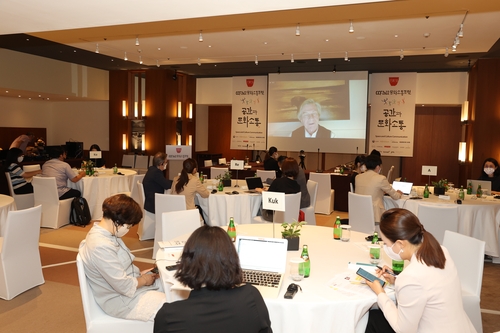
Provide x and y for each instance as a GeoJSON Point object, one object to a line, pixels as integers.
{"type": "Point", "coordinates": [307, 261]}
{"type": "Point", "coordinates": [201, 177]}
{"type": "Point", "coordinates": [337, 230]}
{"type": "Point", "coordinates": [469, 188]}
{"type": "Point", "coordinates": [231, 230]}
{"type": "Point", "coordinates": [426, 191]}
{"type": "Point", "coordinates": [375, 238]}
{"type": "Point", "coordinates": [115, 169]}
{"type": "Point", "coordinates": [461, 194]}
{"type": "Point", "coordinates": [479, 192]}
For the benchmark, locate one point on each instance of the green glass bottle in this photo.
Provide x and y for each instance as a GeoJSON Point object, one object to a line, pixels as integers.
{"type": "Point", "coordinates": [469, 188]}
{"type": "Point", "coordinates": [231, 230]}
{"type": "Point", "coordinates": [375, 238]}
{"type": "Point", "coordinates": [479, 191]}
{"type": "Point", "coordinates": [201, 177]}
{"type": "Point", "coordinates": [337, 230]}
{"type": "Point", "coordinates": [307, 261]}
{"type": "Point", "coordinates": [461, 194]}
{"type": "Point", "coordinates": [115, 169]}
{"type": "Point", "coordinates": [426, 191]}
{"type": "Point", "coordinates": [221, 186]}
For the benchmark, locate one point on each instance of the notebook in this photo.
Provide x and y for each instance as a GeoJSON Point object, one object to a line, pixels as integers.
{"type": "Point", "coordinates": [485, 185]}
{"type": "Point", "coordinates": [404, 187]}
{"type": "Point", "coordinates": [263, 256]}
{"type": "Point", "coordinates": [253, 183]}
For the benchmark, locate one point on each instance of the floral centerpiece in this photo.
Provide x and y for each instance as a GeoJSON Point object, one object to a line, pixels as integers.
{"type": "Point", "coordinates": [88, 166]}
{"type": "Point", "coordinates": [291, 232]}
{"type": "Point", "coordinates": [440, 187]}
{"type": "Point", "coordinates": [225, 178]}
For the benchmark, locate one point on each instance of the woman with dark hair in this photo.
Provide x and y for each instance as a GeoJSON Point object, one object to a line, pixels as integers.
{"type": "Point", "coordinates": [16, 173]}
{"type": "Point", "coordinates": [428, 291]}
{"type": "Point", "coordinates": [188, 184]}
{"type": "Point", "coordinates": [359, 164]}
{"type": "Point", "coordinates": [119, 288]}
{"type": "Point", "coordinates": [491, 172]}
{"type": "Point", "coordinates": [218, 301]}
{"type": "Point", "coordinates": [154, 181]}
{"type": "Point", "coordinates": [99, 162]}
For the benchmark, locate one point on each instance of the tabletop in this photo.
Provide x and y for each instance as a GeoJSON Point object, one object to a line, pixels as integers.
{"type": "Point", "coordinates": [7, 204]}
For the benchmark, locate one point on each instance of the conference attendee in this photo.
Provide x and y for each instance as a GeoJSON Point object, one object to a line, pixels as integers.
{"type": "Point", "coordinates": [218, 301]}
{"type": "Point", "coordinates": [98, 162]}
{"type": "Point", "coordinates": [428, 290]}
{"type": "Point", "coordinates": [154, 181]}
{"type": "Point", "coordinates": [56, 167]}
{"type": "Point", "coordinates": [118, 286]}
{"type": "Point", "coordinates": [373, 183]}
{"type": "Point", "coordinates": [188, 184]}
{"type": "Point", "coordinates": [18, 176]}
{"type": "Point", "coordinates": [271, 161]}
{"type": "Point", "coordinates": [309, 114]}
{"type": "Point", "coordinates": [360, 167]}
{"type": "Point", "coordinates": [22, 141]}
{"type": "Point", "coordinates": [375, 152]}
{"type": "Point", "coordinates": [491, 172]}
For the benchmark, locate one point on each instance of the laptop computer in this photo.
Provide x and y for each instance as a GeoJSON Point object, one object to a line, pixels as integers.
{"type": "Point", "coordinates": [485, 185]}
{"type": "Point", "coordinates": [253, 183]}
{"type": "Point", "coordinates": [261, 259]}
{"type": "Point", "coordinates": [404, 187]}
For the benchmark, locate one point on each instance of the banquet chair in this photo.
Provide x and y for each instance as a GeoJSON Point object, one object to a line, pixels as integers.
{"type": "Point", "coordinates": [312, 188]}
{"type": "Point", "coordinates": [23, 201]}
{"type": "Point", "coordinates": [291, 213]}
{"type": "Point", "coordinates": [325, 196]}
{"type": "Point", "coordinates": [361, 216]}
{"type": "Point", "coordinates": [96, 320]}
{"type": "Point", "coordinates": [214, 172]}
{"type": "Point", "coordinates": [265, 174]}
{"type": "Point", "coordinates": [178, 223]}
{"type": "Point", "coordinates": [128, 161]}
{"type": "Point", "coordinates": [468, 255]}
{"type": "Point", "coordinates": [20, 265]}
{"type": "Point", "coordinates": [146, 228]}
{"type": "Point", "coordinates": [134, 189]}
{"type": "Point", "coordinates": [351, 187]}
{"type": "Point", "coordinates": [389, 174]}
{"type": "Point", "coordinates": [166, 203]}
{"type": "Point", "coordinates": [141, 164]}
{"type": "Point", "coordinates": [222, 161]}
{"type": "Point", "coordinates": [55, 212]}
{"type": "Point", "coordinates": [31, 168]}
{"type": "Point", "coordinates": [207, 163]}
{"type": "Point", "coordinates": [437, 219]}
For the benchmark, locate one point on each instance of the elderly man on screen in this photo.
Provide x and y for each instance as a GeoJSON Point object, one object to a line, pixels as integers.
{"type": "Point", "coordinates": [309, 114]}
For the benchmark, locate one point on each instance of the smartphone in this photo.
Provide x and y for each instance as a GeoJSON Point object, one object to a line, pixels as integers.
{"type": "Point", "coordinates": [172, 267]}
{"type": "Point", "coordinates": [154, 270]}
{"type": "Point", "coordinates": [370, 277]}
{"type": "Point", "coordinates": [291, 291]}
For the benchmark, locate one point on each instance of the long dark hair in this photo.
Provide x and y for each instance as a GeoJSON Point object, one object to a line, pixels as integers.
{"type": "Point", "coordinates": [209, 259]}
{"type": "Point", "coordinates": [187, 168]}
{"type": "Point", "coordinates": [401, 224]}
{"type": "Point", "coordinates": [12, 156]}
{"type": "Point", "coordinates": [495, 162]}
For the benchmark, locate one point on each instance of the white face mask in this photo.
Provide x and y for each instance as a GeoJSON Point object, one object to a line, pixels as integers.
{"type": "Point", "coordinates": [489, 171]}
{"type": "Point", "coordinates": [391, 254]}
{"type": "Point", "coordinates": [20, 159]}
{"type": "Point", "coordinates": [363, 168]}
{"type": "Point", "coordinates": [122, 230]}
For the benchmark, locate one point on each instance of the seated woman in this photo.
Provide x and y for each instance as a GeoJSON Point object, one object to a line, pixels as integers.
{"type": "Point", "coordinates": [155, 182]}
{"type": "Point", "coordinates": [188, 184]}
{"type": "Point", "coordinates": [218, 301]}
{"type": "Point", "coordinates": [428, 290]}
{"type": "Point", "coordinates": [99, 162]}
{"type": "Point", "coordinates": [491, 172]}
{"type": "Point", "coordinates": [119, 288]}
{"type": "Point", "coordinates": [17, 175]}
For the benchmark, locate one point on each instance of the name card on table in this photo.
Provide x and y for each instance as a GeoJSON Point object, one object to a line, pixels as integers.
{"type": "Point", "coordinates": [95, 154]}
{"type": "Point", "coordinates": [237, 164]}
{"type": "Point", "coordinates": [428, 170]}
{"type": "Point", "coordinates": [273, 201]}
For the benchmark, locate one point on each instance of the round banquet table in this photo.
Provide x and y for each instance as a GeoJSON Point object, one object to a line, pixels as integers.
{"type": "Point", "coordinates": [319, 307]}
{"type": "Point", "coordinates": [97, 188]}
{"type": "Point", "coordinates": [7, 204]}
{"type": "Point", "coordinates": [219, 207]}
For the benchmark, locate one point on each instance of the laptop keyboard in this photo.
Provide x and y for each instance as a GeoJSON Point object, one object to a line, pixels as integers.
{"type": "Point", "coordinates": [262, 278]}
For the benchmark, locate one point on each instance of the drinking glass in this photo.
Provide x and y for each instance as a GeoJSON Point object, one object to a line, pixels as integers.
{"type": "Point", "coordinates": [297, 269]}
{"type": "Point", "coordinates": [346, 233]}
{"type": "Point", "coordinates": [374, 253]}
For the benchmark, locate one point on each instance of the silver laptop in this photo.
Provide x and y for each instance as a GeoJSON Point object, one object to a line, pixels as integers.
{"type": "Point", "coordinates": [404, 187]}
{"type": "Point", "coordinates": [263, 261]}
{"type": "Point", "coordinates": [485, 185]}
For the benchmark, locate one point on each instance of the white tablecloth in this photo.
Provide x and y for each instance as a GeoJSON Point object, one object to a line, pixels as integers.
{"type": "Point", "coordinates": [7, 204]}
{"type": "Point", "coordinates": [318, 308]}
{"type": "Point", "coordinates": [478, 218]}
{"type": "Point", "coordinates": [219, 207]}
{"type": "Point", "coordinates": [96, 189]}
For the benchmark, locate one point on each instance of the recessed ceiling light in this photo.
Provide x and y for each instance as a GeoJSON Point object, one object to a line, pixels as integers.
{"type": "Point", "coordinates": [159, 49]}
{"type": "Point", "coordinates": [396, 36]}
{"type": "Point", "coordinates": [360, 38]}
{"type": "Point", "coordinates": [265, 43]}
{"type": "Point", "coordinates": [209, 45]}
{"type": "Point", "coordinates": [327, 40]}
{"type": "Point", "coordinates": [183, 47]}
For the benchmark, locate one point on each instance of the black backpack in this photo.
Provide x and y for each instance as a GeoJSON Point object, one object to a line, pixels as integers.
{"type": "Point", "coordinates": [80, 212]}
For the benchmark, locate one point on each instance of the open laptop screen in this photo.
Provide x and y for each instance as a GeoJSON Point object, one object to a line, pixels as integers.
{"type": "Point", "coordinates": [254, 182]}
{"type": "Point", "coordinates": [263, 254]}
{"type": "Point", "coordinates": [404, 187]}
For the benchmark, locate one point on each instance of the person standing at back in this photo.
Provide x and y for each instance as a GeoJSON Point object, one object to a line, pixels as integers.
{"type": "Point", "coordinates": [155, 182]}
{"type": "Point", "coordinates": [22, 141]}
{"type": "Point", "coordinates": [271, 162]}
{"type": "Point", "coordinates": [373, 183]}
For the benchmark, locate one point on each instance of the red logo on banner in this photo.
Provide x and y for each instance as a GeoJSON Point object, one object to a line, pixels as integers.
{"type": "Point", "coordinates": [178, 150]}
{"type": "Point", "coordinates": [250, 83]}
{"type": "Point", "coordinates": [393, 80]}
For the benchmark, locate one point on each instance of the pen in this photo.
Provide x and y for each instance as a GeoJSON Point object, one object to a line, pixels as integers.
{"type": "Point", "coordinates": [388, 272]}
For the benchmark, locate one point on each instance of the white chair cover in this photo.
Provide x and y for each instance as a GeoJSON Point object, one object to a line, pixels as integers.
{"type": "Point", "coordinates": [438, 219]}
{"type": "Point", "coordinates": [222, 161]}
{"type": "Point", "coordinates": [312, 188]}
{"type": "Point", "coordinates": [208, 163]}
{"type": "Point", "coordinates": [23, 201]}
{"type": "Point", "coordinates": [146, 228]}
{"type": "Point", "coordinates": [361, 216]}
{"type": "Point", "coordinates": [55, 212]}
{"type": "Point", "coordinates": [166, 203]}
{"type": "Point", "coordinates": [31, 168]}
{"type": "Point", "coordinates": [96, 320]}
{"type": "Point", "coordinates": [134, 189]}
{"type": "Point", "coordinates": [389, 174]}
{"type": "Point", "coordinates": [265, 174]}
{"type": "Point", "coordinates": [214, 172]}
{"type": "Point", "coordinates": [291, 213]}
{"type": "Point", "coordinates": [325, 196]}
{"type": "Point", "coordinates": [178, 223]}
{"type": "Point", "coordinates": [128, 161]}
{"type": "Point", "coordinates": [468, 255]}
{"type": "Point", "coordinates": [20, 265]}
{"type": "Point", "coordinates": [141, 162]}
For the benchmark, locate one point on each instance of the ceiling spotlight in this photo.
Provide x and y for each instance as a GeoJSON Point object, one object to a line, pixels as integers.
{"type": "Point", "coordinates": [346, 58]}
{"type": "Point", "coordinates": [446, 53]}
{"type": "Point", "coordinates": [351, 28]}
{"type": "Point", "coordinates": [401, 55]}
{"type": "Point", "coordinates": [157, 63]}
{"type": "Point", "coordinates": [319, 57]}
{"type": "Point", "coordinates": [461, 31]}
{"type": "Point", "coordinates": [200, 39]}
{"type": "Point", "coordinates": [136, 41]}
{"type": "Point", "coordinates": [292, 60]}
{"type": "Point", "coordinates": [97, 48]}
{"type": "Point", "coordinates": [454, 47]}
{"type": "Point", "coordinates": [199, 62]}
{"type": "Point", "coordinates": [140, 60]}
{"type": "Point", "coordinates": [335, 68]}
{"type": "Point", "coordinates": [297, 30]}
{"type": "Point", "coordinates": [256, 60]}
{"type": "Point", "coordinates": [125, 58]}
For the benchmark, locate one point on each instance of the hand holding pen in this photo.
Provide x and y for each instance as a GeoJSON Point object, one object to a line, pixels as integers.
{"type": "Point", "coordinates": [387, 273]}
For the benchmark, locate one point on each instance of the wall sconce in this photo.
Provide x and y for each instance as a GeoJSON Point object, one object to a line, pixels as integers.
{"type": "Point", "coordinates": [190, 115]}
{"type": "Point", "coordinates": [179, 109]}
{"type": "Point", "coordinates": [136, 111]}
{"type": "Point", "coordinates": [124, 109]}
{"type": "Point", "coordinates": [190, 140]}
{"type": "Point", "coordinates": [465, 112]}
{"type": "Point", "coordinates": [178, 139]}
{"type": "Point", "coordinates": [124, 141]}
{"type": "Point", "coordinates": [143, 108]}
{"type": "Point", "coordinates": [143, 144]}
{"type": "Point", "coordinates": [462, 147]}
